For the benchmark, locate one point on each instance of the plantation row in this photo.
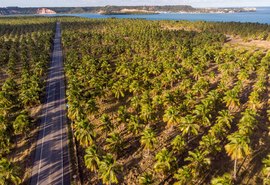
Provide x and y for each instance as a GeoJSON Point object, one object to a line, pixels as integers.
{"type": "Point", "coordinates": [24, 57]}
{"type": "Point", "coordinates": [150, 105]}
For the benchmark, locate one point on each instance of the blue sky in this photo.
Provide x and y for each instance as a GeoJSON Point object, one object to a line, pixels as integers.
{"type": "Point", "coordinates": [195, 3]}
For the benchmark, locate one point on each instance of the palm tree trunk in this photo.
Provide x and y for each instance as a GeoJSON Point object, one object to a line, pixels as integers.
{"type": "Point", "coordinates": [148, 152]}
{"type": "Point", "coordinates": [240, 166]}
{"type": "Point", "coordinates": [235, 169]}
{"type": "Point", "coordinates": [171, 128]}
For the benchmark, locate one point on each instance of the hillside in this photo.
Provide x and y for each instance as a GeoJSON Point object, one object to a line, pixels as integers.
{"type": "Point", "coordinates": [122, 9]}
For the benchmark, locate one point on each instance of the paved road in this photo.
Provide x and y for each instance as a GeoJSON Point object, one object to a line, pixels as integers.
{"type": "Point", "coordinates": [51, 163]}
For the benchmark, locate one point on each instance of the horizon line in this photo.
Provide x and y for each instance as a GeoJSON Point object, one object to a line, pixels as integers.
{"type": "Point", "coordinates": [134, 6]}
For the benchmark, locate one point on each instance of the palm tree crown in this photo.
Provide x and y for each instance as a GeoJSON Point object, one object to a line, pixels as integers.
{"type": "Point", "coordinates": [108, 170]}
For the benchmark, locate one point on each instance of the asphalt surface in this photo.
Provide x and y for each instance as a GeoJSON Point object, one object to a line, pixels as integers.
{"type": "Point", "coordinates": [51, 162]}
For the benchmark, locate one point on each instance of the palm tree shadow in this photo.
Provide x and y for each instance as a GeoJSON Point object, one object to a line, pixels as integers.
{"type": "Point", "coordinates": [133, 163]}
{"type": "Point", "coordinates": [133, 144]}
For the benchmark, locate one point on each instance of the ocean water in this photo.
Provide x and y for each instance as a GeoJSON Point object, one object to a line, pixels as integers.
{"type": "Point", "coordinates": [262, 15]}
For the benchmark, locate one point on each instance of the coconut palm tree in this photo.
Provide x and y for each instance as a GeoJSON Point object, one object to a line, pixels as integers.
{"type": "Point", "coordinates": [198, 159]}
{"type": "Point", "coordinates": [178, 144]}
{"type": "Point", "coordinates": [189, 101]}
{"type": "Point", "coordinates": [213, 97]}
{"type": "Point", "coordinates": [122, 114]}
{"type": "Point", "coordinates": [109, 170]}
{"type": "Point", "coordinates": [6, 104]}
{"type": "Point", "coordinates": [8, 172]}
{"type": "Point", "coordinates": [21, 123]}
{"type": "Point", "coordinates": [30, 91]}
{"type": "Point", "coordinates": [135, 103]}
{"type": "Point", "coordinates": [135, 124]}
{"type": "Point", "coordinates": [106, 125]}
{"type": "Point", "coordinates": [157, 102]}
{"type": "Point", "coordinates": [202, 111]}
{"type": "Point", "coordinates": [185, 84]}
{"type": "Point", "coordinates": [114, 142]}
{"type": "Point", "coordinates": [248, 122]}
{"type": "Point", "coordinates": [210, 144]}
{"type": "Point", "coordinates": [237, 148]}
{"type": "Point", "coordinates": [147, 112]}
{"type": "Point", "coordinates": [171, 116]}
{"type": "Point", "coordinates": [118, 89]}
{"type": "Point", "coordinates": [11, 87]}
{"type": "Point", "coordinates": [231, 99]}
{"type": "Point", "coordinates": [135, 87]}
{"type": "Point", "coordinates": [146, 179]}
{"type": "Point", "coordinates": [188, 126]}
{"type": "Point", "coordinates": [3, 123]}
{"type": "Point", "coordinates": [146, 98]}
{"type": "Point", "coordinates": [223, 124]}
{"type": "Point", "coordinates": [168, 99]}
{"type": "Point", "coordinates": [200, 87]}
{"type": "Point", "coordinates": [91, 158]}
{"type": "Point", "coordinates": [197, 71]}
{"type": "Point", "coordinates": [223, 180]}
{"type": "Point", "coordinates": [254, 101]}
{"type": "Point", "coordinates": [90, 106]}
{"type": "Point", "coordinates": [148, 139]}
{"type": "Point", "coordinates": [5, 142]}
{"type": "Point", "coordinates": [84, 133]}
{"type": "Point", "coordinates": [75, 111]}
{"type": "Point", "coordinates": [225, 118]}
{"type": "Point", "coordinates": [243, 75]}
{"type": "Point", "coordinates": [183, 176]}
{"type": "Point", "coordinates": [260, 85]}
{"type": "Point", "coordinates": [164, 161]}
{"type": "Point", "coordinates": [266, 170]}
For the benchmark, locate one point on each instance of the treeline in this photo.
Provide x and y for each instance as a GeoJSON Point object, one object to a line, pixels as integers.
{"type": "Point", "coordinates": [25, 46]}
{"type": "Point", "coordinates": [247, 31]}
{"type": "Point", "coordinates": [150, 105]}
{"type": "Point", "coordinates": [96, 9]}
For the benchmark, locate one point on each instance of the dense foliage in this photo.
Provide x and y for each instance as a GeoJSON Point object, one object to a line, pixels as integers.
{"type": "Point", "coordinates": [25, 46]}
{"type": "Point", "coordinates": [150, 105]}
{"type": "Point", "coordinates": [248, 31]}
{"type": "Point", "coordinates": [151, 102]}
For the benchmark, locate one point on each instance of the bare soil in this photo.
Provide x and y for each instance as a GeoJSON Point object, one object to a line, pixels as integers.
{"type": "Point", "coordinates": [256, 44]}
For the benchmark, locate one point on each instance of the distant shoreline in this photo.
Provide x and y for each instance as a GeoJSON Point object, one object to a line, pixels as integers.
{"type": "Point", "coordinates": [121, 10]}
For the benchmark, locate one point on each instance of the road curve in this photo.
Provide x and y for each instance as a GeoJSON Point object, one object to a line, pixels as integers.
{"type": "Point", "coordinates": [51, 162]}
